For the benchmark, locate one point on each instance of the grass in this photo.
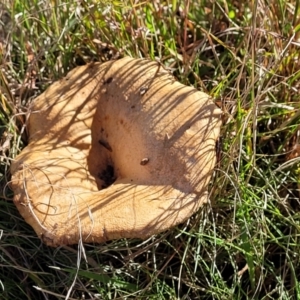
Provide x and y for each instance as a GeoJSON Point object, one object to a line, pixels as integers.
{"type": "Point", "coordinates": [245, 243]}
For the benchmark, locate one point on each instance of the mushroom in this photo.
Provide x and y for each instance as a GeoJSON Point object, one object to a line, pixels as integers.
{"type": "Point", "coordinates": [116, 150]}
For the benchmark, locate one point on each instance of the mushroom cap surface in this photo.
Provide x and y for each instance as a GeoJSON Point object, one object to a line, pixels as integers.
{"type": "Point", "coordinates": [116, 150]}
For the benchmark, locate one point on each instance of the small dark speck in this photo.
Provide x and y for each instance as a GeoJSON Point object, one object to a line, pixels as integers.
{"type": "Point", "coordinates": [133, 106]}
{"type": "Point", "coordinates": [108, 80]}
{"type": "Point", "coordinates": [143, 90]}
{"type": "Point", "coordinates": [144, 161]}
{"type": "Point", "coordinates": [105, 144]}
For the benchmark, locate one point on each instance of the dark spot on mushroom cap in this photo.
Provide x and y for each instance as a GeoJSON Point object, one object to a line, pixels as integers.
{"type": "Point", "coordinates": [144, 161]}
{"type": "Point", "coordinates": [108, 80]}
{"type": "Point", "coordinates": [143, 90]}
{"type": "Point", "coordinates": [105, 144]}
{"type": "Point", "coordinates": [108, 176]}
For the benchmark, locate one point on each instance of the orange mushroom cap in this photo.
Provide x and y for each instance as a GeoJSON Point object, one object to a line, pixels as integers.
{"type": "Point", "coordinates": [116, 150]}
